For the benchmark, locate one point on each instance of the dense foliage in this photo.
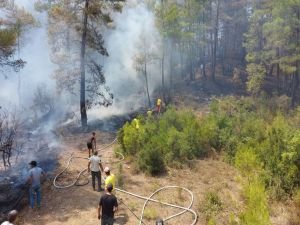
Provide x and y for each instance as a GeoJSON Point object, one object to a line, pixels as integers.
{"type": "Point", "coordinates": [258, 137]}
{"type": "Point", "coordinates": [266, 134]}
{"type": "Point", "coordinates": [171, 139]}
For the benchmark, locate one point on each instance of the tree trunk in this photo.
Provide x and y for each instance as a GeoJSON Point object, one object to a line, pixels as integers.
{"type": "Point", "coordinates": [295, 81]}
{"type": "Point", "coordinates": [204, 48]}
{"type": "Point", "coordinates": [278, 79]}
{"type": "Point", "coordinates": [82, 66]}
{"type": "Point", "coordinates": [297, 72]}
{"type": "Point", "coordinates": [147, 88]}
{"type": "Point", "coordinates": [163, 59]}
{"type": "Point", "coordinates": [171, 70]}
{"type": "Point", "coordinates": [181, 61]}
{"type": "Point", "coordinates": [163, 75]}
{"type": "Point", "coordinates": [215, 43]}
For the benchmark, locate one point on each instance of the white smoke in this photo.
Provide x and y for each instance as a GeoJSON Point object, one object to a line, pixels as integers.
{"type": "Point", "coordinates": [34, 49]}
{"type": "Point", "coordinates": [122, 44]}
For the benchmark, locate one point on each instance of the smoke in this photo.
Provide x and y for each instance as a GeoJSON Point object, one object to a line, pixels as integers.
{"type": "Point", "coordinates": [34, 50]}
{"type": "Point", "coordinates": [133, 28]}
{"type": "Point", "coordinates": [123, 42]}
{"type": "Point", "coordinates": [35, 138]}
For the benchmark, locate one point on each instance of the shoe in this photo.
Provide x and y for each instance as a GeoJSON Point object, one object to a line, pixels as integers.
{"type": "Point", "coordinates": [100, 189]}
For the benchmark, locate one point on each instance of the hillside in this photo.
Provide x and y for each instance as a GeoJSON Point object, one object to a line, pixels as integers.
{"type": "Point", "coordinates": [216, 186]}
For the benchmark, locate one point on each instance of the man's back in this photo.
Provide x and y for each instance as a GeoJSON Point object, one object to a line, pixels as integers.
{"type": "Point", "coordinates": [95, 160]}
{"type": "Point", "coordinates": [108, 202]}
{"type": "Point", "coordinates": [35, 174]}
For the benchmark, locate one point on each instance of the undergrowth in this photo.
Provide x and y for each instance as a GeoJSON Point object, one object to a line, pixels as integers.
{"type": "Point", "coordinates": [260, 136]}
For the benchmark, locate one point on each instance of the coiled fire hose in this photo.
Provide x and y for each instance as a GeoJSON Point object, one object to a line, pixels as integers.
{"type": "Point", "coordinates": [147, 199]}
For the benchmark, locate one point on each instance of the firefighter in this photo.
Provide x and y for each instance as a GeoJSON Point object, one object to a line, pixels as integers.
{"type": "Point", "coordinates": [158, 105]}
{"type": "Point", "coordinates": [136, 123]}
{"type": "Point", "coordinates": [149, 113]}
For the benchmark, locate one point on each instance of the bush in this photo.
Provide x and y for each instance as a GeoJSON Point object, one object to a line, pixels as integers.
{"type": "Point", "coordinates": [170, 140]}
{"type": "Point", "coordinates": [256, 205]}
{"type": "Point", "coordinates": [150, 160]}
{"type": "Point", "coordinates": [255, 134]}
{"type": "Point", "coordinates": [260, 131]}
{"type": "Point", "coordinates": [119, 176]}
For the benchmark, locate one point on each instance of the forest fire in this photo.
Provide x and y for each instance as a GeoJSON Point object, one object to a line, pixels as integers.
{"type": "Point", "coordinates": [42, 145]}
{"type": "Point", "coordinates": [35, 143]}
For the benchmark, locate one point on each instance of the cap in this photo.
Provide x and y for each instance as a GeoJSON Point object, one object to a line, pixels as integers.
{"type": "Point", "coordinates": [106, 169]}
{"type": "Point", "coordinates": [33, 163]}
{"type": "Point", "coordinates": [12, 215]}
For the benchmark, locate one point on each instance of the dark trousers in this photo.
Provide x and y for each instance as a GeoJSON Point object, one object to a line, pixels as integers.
{"type": "Point", "coordinates": [91, 148]}
{"type": "Point", "coordinates": [98, 176]}
{"type": "Point", "coordinates": [107, 221]}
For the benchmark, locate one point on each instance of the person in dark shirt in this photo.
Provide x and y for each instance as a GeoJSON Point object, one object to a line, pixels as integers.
{"type": "Point", "coordinates": [91, 144]}
{"type": "Point", "coordinates": [108, 205]}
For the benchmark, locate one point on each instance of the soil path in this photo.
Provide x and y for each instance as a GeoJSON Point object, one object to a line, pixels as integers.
{"type": "Point", "coordinates": [78, 205]}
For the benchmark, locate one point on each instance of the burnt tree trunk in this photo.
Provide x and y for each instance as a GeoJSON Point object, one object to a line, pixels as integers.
{"type": "Point", "coordinates": [82, 66]}
{"type": "Point", "coordinates": [147, 85]}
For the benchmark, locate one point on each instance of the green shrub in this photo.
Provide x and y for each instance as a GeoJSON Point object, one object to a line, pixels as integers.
{"type": "Point", "coordinates": [150, 160]}
{"type": "Point", "coordinates": [263, 129]}
{"type": "Point", "coordinates": [256, 211]}
{"type": "Point", "coordinates": [119, 176]}
{"type": "Point", "coordinates": [172, 139]}
{"type": "Point", "coordinates": [247, 162]}
{"type": "Point", "coordinates": [258, 134]}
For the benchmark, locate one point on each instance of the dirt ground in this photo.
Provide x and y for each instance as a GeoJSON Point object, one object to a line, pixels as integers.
{"type": "Point", "coordinates": [78, 204]}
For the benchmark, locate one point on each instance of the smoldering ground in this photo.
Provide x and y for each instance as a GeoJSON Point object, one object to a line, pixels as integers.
{"type": "Point", "coordinates": [38, 138]}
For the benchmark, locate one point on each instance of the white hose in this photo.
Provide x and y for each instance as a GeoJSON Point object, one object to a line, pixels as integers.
{"type": "Point", "coordinates": [68, 164]}
{"type": "Point", "coordinates": [108, 145]}
{"type": "Point", "coordinates": [185, 209]}
{"type": "Point", "coordinates": [147, 199]}
{"type": "Point", "coordinates": [82, 171]}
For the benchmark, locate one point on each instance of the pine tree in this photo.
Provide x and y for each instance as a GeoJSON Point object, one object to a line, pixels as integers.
{"type": "Point", "coordinates": [75, 26]}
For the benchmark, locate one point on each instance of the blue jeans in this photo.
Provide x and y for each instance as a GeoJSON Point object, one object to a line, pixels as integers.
{"type": "Point", "coordinates": [36, 190]}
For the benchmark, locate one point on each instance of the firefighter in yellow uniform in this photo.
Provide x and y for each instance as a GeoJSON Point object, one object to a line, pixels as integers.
{"type": "Point", "coordinates": [149, 113]}
{"type": "Point", "coordinates": [158, 105]}
{"type": "Point", "coordinates": [110, 178]}
{"type": "Point", "coordinates": [136, 123]}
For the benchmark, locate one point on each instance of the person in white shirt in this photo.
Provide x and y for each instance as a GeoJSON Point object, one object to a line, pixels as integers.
{"type": "Point", "coordinates": [94, 166]}
{"type": "Point", "coordinates": [12, 216]}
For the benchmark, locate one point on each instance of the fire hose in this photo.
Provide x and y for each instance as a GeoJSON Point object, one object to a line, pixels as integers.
{"type": "Point", "coordinates": [147, 199]}
{"type": "Point", "coordinates": [81, 172]}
